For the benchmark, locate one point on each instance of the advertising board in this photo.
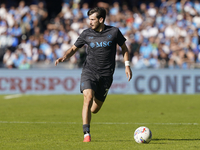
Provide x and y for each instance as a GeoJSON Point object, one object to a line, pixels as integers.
{"type": "Point", "coordinates": [68, 82]}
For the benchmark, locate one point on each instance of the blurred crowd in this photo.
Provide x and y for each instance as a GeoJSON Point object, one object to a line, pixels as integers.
{"type": "Point", "coordinates": [158, 36]}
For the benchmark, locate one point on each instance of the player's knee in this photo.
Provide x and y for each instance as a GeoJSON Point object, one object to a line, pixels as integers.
{"type": "Point", "coordinates": [88, 98]}
{"type": "Point", "coordinates": [94, 111]}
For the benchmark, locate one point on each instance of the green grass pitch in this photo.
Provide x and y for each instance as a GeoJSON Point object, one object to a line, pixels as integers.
{"type": "Point", "coordinates": [53, 122]}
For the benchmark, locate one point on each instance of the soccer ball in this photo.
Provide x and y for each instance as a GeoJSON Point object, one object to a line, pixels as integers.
{"type": "Point", "coordinates": [142, 135]}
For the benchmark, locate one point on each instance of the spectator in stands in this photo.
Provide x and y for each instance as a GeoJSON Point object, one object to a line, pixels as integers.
{"type": "Point", "coordinates": [85, 9]}
{"type": "Point", "coordinates": [8, 59]}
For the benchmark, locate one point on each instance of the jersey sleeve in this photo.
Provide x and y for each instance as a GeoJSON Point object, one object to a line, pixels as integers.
{"type": "Point", "coordinates": [120, 38]}
{"type": "Point", "coordinates": [80, 41]}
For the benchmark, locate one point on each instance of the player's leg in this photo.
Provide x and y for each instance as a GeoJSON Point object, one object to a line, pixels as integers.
{"type": "Point", "coordinates": [87, 104]}
{"type": "Point", "coordinates": [90, 104]}
{"type": "Point", "coordinates": [96, 105]}
{"type": "Point", "coordinates": [86, 113]}
{"type": "Point", "coordinates": [101, 93]}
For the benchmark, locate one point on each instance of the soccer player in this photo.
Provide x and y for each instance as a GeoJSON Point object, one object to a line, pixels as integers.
{"type": "Point", "coordinates": [99, 66]}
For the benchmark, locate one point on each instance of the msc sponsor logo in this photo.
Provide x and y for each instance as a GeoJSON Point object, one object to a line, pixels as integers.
{"type": "Point", "coordinates": [101, 44]}
{"type": "Point", "coordinates": [90, 37]}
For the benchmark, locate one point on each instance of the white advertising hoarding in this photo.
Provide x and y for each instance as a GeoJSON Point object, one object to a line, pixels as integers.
{"type": "Point", "coordinates": [68, 82]}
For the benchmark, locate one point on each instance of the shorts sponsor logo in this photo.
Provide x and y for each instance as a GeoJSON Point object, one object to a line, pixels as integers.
{"type": "Point", "coordinates": [82, 84]}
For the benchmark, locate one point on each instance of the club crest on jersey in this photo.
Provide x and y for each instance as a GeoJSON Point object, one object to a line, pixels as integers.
{"type": "Point", "coordinates": [109, 36]}
{"type": "Point", "coordinates": [101, 44]}
{"type": "Point", "coordinates": [92, 45]}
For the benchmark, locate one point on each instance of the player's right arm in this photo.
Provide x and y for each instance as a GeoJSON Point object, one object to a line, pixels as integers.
{"type": "Point", "coordinates": [67, 54]}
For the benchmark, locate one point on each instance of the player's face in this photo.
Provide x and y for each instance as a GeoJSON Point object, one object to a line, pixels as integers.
{"type": "Point", "coordinates": [95, 22]}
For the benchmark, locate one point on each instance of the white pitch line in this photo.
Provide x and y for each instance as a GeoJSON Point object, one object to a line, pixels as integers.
{"type": "Point", "coordinates": [12, 96]}
{"type": "Point", "coordinates": [146, 123]}
{"type": "Point", "coordinates": [26, 122]}
{"type": "Point", "coordinates": [104, 123]}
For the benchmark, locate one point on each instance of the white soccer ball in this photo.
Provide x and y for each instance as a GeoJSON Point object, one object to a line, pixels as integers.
{"type": "Point", "coordinates": [142, 135]}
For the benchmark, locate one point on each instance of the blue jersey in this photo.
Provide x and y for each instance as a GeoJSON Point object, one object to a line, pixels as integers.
{"type": "Point", "coordinates": [101, 49]}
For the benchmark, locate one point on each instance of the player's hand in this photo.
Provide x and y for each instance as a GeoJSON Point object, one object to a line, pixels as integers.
{"type": "Point", "coordinates": [128, 72]}
{"type": "Point", "coordinates": [59, 60]}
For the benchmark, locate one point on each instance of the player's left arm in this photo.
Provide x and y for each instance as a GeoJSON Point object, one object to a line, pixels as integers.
{"type": "Point", "coordinates": [126, 60]}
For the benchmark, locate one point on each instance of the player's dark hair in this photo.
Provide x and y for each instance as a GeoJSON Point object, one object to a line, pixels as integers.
{"type": "Point", "coordinates": [101, 12]}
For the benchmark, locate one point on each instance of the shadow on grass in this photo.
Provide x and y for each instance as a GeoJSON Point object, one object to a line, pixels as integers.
{"type": "Point", "coordinates": [112, 140]}
{"type": "Point", "coordinates": [175, 139]}
{"type": "Point", "coordinates": [163, 139]}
